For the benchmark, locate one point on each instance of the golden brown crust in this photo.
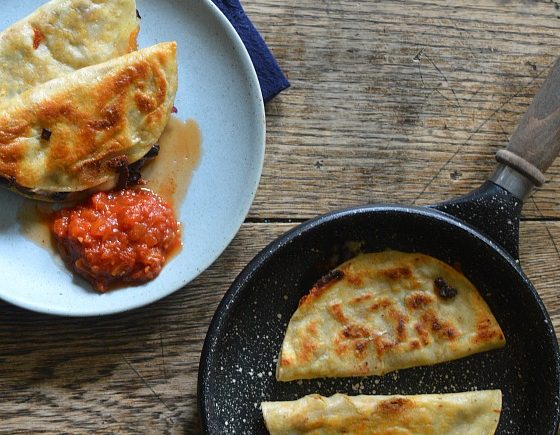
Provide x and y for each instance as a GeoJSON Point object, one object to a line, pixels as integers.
{"type": "Point", "coordinates": [469, 413]}
{"type": "Point", "coordinates": [112, 110]}
{"type": "Point", "coordinates": [409, 310]}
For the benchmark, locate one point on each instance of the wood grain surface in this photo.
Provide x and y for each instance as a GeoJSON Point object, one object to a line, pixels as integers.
{"type": "Point", "coordinates": [391, 102]}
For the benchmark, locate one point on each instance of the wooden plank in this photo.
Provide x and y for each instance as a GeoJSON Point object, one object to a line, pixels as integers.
{"type": "Point", "coordinates": [139, 370]}
{"type": "Point", "coordinates": [398, 102]}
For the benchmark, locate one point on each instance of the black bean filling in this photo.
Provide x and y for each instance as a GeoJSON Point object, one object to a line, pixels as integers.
{"type": "Point", "coordinates": [444, 290]}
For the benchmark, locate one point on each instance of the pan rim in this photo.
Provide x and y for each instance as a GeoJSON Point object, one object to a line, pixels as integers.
{"type": "Point", "coordinates": [235, 290]}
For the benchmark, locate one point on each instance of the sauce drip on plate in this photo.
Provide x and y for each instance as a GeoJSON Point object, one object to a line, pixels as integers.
{"type": "Point", "coordinates": [169, 175]}
{"type": "Point", "coordinates": [35, 223]}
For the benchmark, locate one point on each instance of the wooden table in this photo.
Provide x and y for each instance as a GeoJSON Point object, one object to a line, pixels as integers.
{"type": "Point", "coordinates": [392, 101]}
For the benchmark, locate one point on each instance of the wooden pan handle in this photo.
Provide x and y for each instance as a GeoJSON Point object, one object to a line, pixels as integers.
{"type": "Point", "coordinates": [536, 142]}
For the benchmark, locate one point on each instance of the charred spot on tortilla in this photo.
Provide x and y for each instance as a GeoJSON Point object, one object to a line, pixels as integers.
{"type": "Point", "coordinates": [322, 284]}
{"type": "Point", "coordinates": [46, 134]}
{"type": "Point", "coordinates": [329, 278]}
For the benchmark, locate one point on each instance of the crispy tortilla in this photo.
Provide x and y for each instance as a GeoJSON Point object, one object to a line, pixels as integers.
{"type": "Point", "coordinates": [382, 312]}
{"type": "Point", "coordinates": [77, 132]}
{"type": "Point", "coordinates": [61, 37]}
{"type": "Point", "coordinates": [470, 413]}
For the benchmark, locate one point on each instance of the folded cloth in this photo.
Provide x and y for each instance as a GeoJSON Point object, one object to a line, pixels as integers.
{"type": "Point", "coordinates": [271, 78]}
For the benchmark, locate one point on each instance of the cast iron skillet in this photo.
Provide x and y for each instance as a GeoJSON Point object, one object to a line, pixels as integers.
{"type": "Point", "coordinates": [479, 232]}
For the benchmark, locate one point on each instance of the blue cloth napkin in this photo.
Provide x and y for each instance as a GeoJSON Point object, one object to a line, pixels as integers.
{"type": "Point", "coordinates": [271, 78]}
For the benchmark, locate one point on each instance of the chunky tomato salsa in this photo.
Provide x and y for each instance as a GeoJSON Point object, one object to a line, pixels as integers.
{"type": "Point", "coordinates": [117, 238]}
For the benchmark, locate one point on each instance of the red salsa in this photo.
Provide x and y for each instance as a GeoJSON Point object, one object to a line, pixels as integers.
{"type": "Point", "coordinates": [117, 238]}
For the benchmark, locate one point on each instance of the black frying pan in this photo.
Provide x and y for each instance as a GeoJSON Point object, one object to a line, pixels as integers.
{"type": "Point", "coordinates": [479, 231]}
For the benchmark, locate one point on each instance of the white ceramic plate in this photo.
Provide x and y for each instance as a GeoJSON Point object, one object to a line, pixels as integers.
{"type": "Point", "coordinates": [219, 89]}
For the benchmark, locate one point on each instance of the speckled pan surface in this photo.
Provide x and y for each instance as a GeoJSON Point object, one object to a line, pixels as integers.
{"type": "Point", "coordinates": [218, 88]}
{"type": "Point", "coordinates": [239, 358]}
